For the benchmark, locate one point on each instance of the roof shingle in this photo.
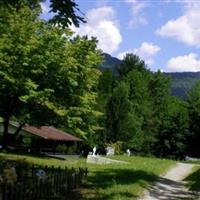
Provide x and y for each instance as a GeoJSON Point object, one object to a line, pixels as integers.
{"type": "Point", "coordinates": [51, 133]}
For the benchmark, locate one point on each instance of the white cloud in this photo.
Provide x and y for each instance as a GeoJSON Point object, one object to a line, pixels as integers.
{"type": "Point", "coordinates": [186, 28]}
{"type": "Point", "coordinates": [102, 24]}
{"type": "Point", "coordinates": [121, 55]}
{"type": "Point", "coordinates": [146, 51]}
{"type": "Point", "coordinates": [190, 62]}
{"type": "Point", "coordinates": [137, 16]}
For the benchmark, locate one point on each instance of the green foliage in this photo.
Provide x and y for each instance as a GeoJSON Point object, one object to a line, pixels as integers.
{"type": "Point", "coordinates": [182, 82]}
{"type": "Point", "coordinates": [72, 149]}
{"type": "Point", "coordinates": [129, 63]}
{"type": "Point", "coordinates": [118, 116]}
{"type": "Point", "coordinates": [173, 131]}
{"type": "Point", "coordinates": [64, 11]}
{"type": "Point", "coordinates": [129, 106]}
{"type": "Point", "coordinates": [193, 101]}
{"type": "Point", "coordinates": [61, 148]}
{"type": "Point", "coordinates": [118, 147]}
{"type": "Point", "coordinates": [48, 77]}
{"type": "Point", "coordinates": [141, 113]}
{"type": "Point", "coordinates": [192, 180]}
{"type": "Point", "coordinates": [45, 76]}
{"type": "Point", "coordinates": [26, 141]}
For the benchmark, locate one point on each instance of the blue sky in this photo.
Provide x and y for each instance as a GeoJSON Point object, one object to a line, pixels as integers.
{"type": "Point", "coordinates": [165, 33]}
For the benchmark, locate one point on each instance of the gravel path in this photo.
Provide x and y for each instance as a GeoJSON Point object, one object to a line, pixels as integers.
{"type": "Point", "coordinates": [170, 186]}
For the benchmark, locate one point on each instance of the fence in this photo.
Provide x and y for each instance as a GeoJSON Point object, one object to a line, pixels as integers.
{"type": "Point", "coordinates": [39, 183]}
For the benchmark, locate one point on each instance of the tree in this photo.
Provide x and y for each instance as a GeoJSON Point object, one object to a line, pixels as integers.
{"type": "Point", "coordinates": [173, 130]}
{"type": "Point", "coordinates": [82, 115]}
{"type": "Point", "coordinates": [159, 92]}
{"type": "Point", "coordinates": [106, 85]}
{"type": "Point", "coordinates": [65, 11]}
{"type": "Point", "coordinates": [193, 103]}
{"type": "Point", "coordinates": [129, 63]}
{"type": "Point", "coordinates": [119, 126]}
{"type": "Point", "coordinates": [44, 76]}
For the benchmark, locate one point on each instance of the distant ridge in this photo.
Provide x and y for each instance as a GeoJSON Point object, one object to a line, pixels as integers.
{"type": "Point", "coordinates": [110, 63]}
{"type": "Point", "coordinates": [181, 81]}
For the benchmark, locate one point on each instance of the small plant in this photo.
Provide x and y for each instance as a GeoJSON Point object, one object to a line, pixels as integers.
{"type": "Point", "coordinates": [61, 148]}
{"type": "Point", "coordinates": [26, 141]}
{"type": "Point", "coordinates": [9, 176]}
{"type": "Point", "coordinates": [118, 146]}
{"type": "Point", "coordinates": [71, 149]}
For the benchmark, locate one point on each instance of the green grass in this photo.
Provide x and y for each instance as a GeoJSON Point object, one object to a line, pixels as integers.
{"type": "Point", "coordinates": [193, 180]}
{"type": "Point", "coordinates": [108, 182]}
{"type": "Point", "coordinates": [43, 160]}
{"type": "Point", "coordinates": [124, 181]}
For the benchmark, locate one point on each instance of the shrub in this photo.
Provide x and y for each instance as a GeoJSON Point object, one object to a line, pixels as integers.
{"type": "Point", "coordinates": [118, 146]}
{"type": "Point", "coordinates": [61, 148]}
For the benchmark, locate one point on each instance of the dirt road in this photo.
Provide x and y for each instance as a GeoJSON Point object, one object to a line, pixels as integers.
{"type": "Point", "coordinates": [170, 186]}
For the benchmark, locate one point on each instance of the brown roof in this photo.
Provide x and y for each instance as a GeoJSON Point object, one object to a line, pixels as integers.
{"type": "Point", "coordinates": [51, 133]}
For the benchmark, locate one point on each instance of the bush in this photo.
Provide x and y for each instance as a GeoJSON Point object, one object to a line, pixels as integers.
{"type": "Point", "coordinates": [118, 146]}
{"type": "Point", "coordinates": [61, 148]}
{"type": "Point", "coordinates": [71, 149]}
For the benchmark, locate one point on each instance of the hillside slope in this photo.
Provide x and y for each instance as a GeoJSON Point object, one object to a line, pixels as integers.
{"type": "Point", "coordinates": [181, 81]}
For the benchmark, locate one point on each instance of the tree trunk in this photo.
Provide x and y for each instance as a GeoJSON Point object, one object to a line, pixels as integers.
{"type": "Point", "coordinates": [15, 133]}
{"type": "Point", "coordinates": [7, 139]}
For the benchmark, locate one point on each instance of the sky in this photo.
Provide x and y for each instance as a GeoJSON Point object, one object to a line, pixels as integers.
{"type": "Point", "coordinates": [164, 33]}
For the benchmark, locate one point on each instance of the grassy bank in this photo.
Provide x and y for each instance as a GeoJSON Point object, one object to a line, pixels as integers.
{"type": "Point", "coordinates": [123, 181]}
{"type": "Point", "coordinates": [193, 180]}
{"type": "Point", "coordinates": [108, 182]}
{"type": "Point", "coordinates": [44, 160]}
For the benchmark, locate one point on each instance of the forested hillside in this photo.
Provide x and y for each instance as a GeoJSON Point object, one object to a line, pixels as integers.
{"type": "Point", "coordinates": [182, 82]}
{"type": "Point", "coordinates": [48, 77]}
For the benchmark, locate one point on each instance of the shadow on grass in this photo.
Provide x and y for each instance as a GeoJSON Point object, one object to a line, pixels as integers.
{"type": "Point", "coordinates": [97, 196]}
{"type": "Point", "coordinates": [193, 181]}
{"type": "Point", "coordinates": [114, 184]}
{"type": "Point", "coordinates": [167, 189]}
{"type": "Point", "coordinates": [109, 177]}
{"type": "Point", "coordinates": [20, 156]}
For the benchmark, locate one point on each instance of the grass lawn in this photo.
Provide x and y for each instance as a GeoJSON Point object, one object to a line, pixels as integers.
{"type": "Point", "coordinates": [193, 180]}
{"type": "Point", "coordinates": [43, 160]}
{"type": "Point", "coordinates": [108, 182]}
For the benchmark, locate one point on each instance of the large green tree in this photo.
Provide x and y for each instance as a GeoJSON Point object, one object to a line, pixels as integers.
{"type": "Point", "coordinates": [173, 130]}
{"type": "Point", "coordinates": [44, 75]}
{"type": "Point", "coordinates": [128, 109]}
{"type": "Point", "coordinates": [130, 62]}
{"type": "Point", "coordinates": [193, 102]}
{"type": "Point", "coordinates": [120, 121]}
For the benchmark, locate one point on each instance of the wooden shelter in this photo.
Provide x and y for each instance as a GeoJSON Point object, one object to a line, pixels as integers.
{"type": "Point", "coordinates": [42, 139]}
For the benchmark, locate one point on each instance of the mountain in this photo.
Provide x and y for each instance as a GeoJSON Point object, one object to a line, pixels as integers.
{"type": "Point", "coordinates": [181, 81]}
{"type": "Point", "coordinates": [110, 63]}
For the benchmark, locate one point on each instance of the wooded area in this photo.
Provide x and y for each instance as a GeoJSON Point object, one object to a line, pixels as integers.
{"type": "Point", "coordinates": [50, 77]}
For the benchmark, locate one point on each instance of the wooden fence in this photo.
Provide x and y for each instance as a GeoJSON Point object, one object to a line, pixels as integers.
{"type": "Point", "coordinates": [47, 183]}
